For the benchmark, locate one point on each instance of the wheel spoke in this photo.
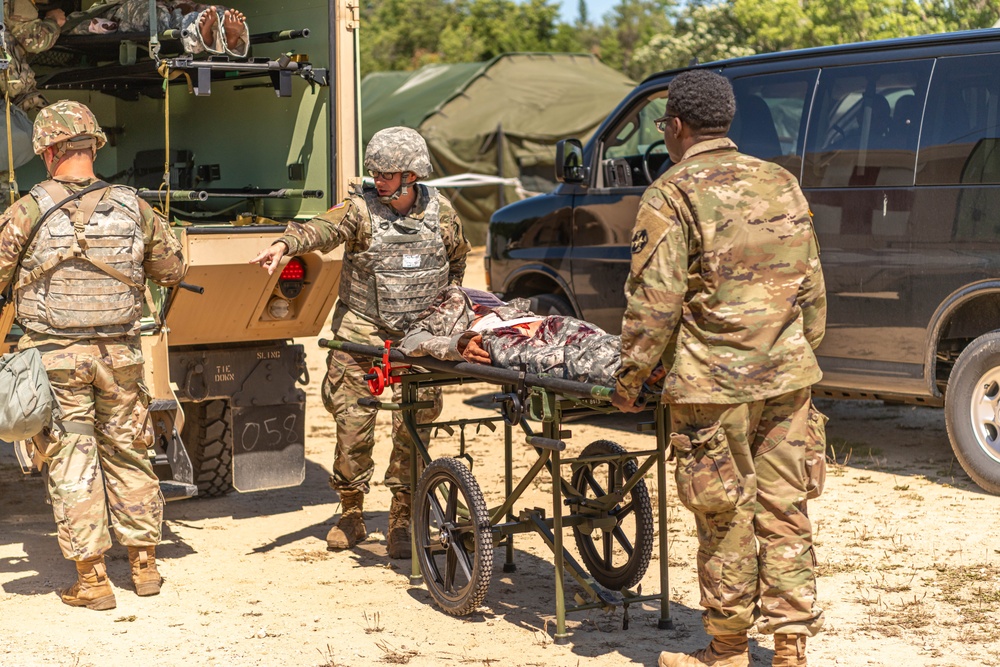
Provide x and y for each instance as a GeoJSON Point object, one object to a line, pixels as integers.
{"type": "Point", "coordinates": [452, 508]}
{"type": "Point", "coordinates": [457, 551]}
{"type": "Point", "coordinates": [622, 539]}
{"type": "Point", "coordinates": [449, 570]}
{"type": "Point", "coordinates": [608, 544]}
{"type": "Point", "coordinates": [588, 475]}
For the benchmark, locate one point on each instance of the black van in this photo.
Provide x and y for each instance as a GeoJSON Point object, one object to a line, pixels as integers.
{"type": "Point", "coordinates": [897, 146]}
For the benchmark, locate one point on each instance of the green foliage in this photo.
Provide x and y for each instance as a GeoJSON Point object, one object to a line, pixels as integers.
{"type": "Point", "coordinates": [640, 37]}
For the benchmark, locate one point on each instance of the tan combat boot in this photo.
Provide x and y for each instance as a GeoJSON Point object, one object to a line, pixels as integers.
{"type": "Point", "coordinates": [92, 588]}
{"type": "Point", "coordinates": [351, 528]}
{"type": "Point", "coordinates": [398, 540]}
{"type": "Point", "coordinates": [144, 575]}
{"type": "Point", "coordinates": [724, 651]}
{"type": "Point", "coordinates": [789, 651]}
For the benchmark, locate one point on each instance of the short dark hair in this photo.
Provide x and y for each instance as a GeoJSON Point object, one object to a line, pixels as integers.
{"type": "Point", "coordinates": [702, 99]}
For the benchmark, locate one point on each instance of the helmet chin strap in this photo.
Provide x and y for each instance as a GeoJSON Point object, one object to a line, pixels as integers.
{"type": "Point", "coordinates": [401, 191]}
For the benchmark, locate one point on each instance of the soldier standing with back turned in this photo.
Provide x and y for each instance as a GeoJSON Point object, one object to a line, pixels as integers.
{"type": "Point", "coordinates": [403, 244]}
{"type": "Point", "coordinates": [79, 294]}
{"type": "Point", "coordinates": [726, 289]}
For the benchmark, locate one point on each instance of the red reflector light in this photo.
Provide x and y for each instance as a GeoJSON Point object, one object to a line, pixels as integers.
{"type": "Point", "coordinates": [294, 270]}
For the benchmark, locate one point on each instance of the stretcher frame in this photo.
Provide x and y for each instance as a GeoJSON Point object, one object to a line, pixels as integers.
{"type": "Point", "coordinates": [549, 400]}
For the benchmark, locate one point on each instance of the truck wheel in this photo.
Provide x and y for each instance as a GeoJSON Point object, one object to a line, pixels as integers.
{"type": "Point", "coordinates": [971, 404]}
{"type": "Point", "coordinates": [550, 304]}
{"type": "Point", "coordinates": [208, 438]}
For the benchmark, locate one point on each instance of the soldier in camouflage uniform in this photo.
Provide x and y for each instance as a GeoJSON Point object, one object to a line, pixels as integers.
{"type": "Point", "coordinates": [27, 34]}
{"type": "Point", "coordinates": [403, 244]}
{"type": "Point", "coordinates": [462, 321]}
{"type": "Point", "coordinates": [79, 295]}
{"type": "Point", "coordinates": [726, 289]}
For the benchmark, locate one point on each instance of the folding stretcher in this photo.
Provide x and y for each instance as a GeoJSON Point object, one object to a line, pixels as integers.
{"type": "Point", "coordinates": [600, 495]}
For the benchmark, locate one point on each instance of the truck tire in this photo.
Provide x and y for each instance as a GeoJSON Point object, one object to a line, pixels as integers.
{"type": "Point", "coordinates": [971, 403]}
{"type": "Point", "coordinates": [208, 438]}
{"type": "Point", "coordinates": [550, 304]}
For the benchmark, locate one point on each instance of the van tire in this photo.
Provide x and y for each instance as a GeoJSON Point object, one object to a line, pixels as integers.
{"type": "Point", "coordinates": [970, 404]}
{"type": "Point", "coordinates": [550, 304]}
{"type": "Point", "coordinates": [208, 438]}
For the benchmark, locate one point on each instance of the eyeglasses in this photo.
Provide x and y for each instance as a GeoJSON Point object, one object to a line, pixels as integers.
{"type": "Point", "coordinates": [661, 123]}
{"type": "Point", "coordinates": [382, 175]}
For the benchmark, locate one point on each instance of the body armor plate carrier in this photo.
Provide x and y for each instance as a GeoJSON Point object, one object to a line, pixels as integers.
{"type": "Point", "coordinates": [404, 268]}
{"type": "Point", "coordinates": [84, 278]}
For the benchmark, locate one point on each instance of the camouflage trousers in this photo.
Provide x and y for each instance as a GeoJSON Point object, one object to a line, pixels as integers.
{"type": "Point", "coordinates": [353, 466]}
{"type": "Point", "coordinates": [107, 476]}
{"type": "Point", "coordinates": [746, 471]}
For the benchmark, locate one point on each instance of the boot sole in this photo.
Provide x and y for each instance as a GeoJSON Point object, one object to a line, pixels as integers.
{"type": "Point", "coordinates": [97, 604]}
{"type": "Point", "coordinates": [147, 589]}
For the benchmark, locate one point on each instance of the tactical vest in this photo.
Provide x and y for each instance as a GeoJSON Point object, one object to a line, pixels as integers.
{"type": "Point", "coordinates": [403, 269]}
{"type": "Point", "coordinates": [67, 284]}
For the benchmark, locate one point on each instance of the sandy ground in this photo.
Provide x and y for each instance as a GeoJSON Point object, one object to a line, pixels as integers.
{"type": "Point", "coordinates": [908, 548]}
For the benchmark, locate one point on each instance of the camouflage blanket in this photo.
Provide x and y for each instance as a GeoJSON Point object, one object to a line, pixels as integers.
{"type": "Point", "coordinates": [561, 347]}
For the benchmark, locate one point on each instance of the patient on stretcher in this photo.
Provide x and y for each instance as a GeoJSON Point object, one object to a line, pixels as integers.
{"type": "Point", "coordinates": [475, 326]}
{"type": "Point", "coordinates": [212, 29]}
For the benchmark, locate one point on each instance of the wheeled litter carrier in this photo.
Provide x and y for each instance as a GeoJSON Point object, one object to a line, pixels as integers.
{"type": "Point", "coordinates": [604, 499]}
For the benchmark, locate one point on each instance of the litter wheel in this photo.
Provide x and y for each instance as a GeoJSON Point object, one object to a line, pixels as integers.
{"type": "Point", "coordinates": [617, 557]}
{"type": "Point", "coordinates": [454, 537]}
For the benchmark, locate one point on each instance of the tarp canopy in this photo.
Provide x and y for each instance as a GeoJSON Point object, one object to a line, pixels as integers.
{"type": "Point", "coordinates": [498, 118]}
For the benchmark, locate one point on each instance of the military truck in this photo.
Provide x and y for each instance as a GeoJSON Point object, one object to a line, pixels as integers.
{"type": "Point", "coordinates": [230, 149]}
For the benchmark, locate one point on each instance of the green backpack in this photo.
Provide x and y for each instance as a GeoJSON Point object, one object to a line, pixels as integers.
{"type": "Point", "coordinates": [30, 404]}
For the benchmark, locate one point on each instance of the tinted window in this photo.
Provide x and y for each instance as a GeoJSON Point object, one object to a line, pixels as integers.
{"type": "Point", "coordinates": [960, 142]}
{"type": "Point", "coordinates": [770, 118]}
{"type": "Point", "coordinates": [864, 125]}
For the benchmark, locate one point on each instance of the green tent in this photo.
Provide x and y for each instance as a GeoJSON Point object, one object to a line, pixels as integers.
{"type": "Point", "coordinates": [499, 118]}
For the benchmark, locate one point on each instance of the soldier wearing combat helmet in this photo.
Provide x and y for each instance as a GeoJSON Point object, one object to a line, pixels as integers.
{"type": "Point", "coordinates": [403, 243]}
{"type": "Point", "coordinates": [78, 252]}
{"type": "Point", "coordinates": [726, 290]}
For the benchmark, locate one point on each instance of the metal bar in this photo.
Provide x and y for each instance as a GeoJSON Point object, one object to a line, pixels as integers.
{"type": "Point", "coordinates": [174, 195]}
{"type": "Point", "coordinates": [409, 420]}
{"type": "Point", "coordinates": [278, 36]}
{"type": "Point", "coordinates": [513, 496]}
{"type": "Point", "coordinates": [230, 229]}
{"type": "Point", "coordinates": [479, 371]}
{"type": "Point", "coordinates": [662, 417]}
{"type": "Point", "coordinates": [508, 485]}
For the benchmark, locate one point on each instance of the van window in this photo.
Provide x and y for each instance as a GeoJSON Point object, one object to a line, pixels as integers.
{"type": "Point", "coordinates": [960, 143]}
{"type": "Point", "coordinates": [633, 137]}
{"type": "Point", "coordinates": [770, 118]}
{"type": "Point", "coordinates": [863, 129]}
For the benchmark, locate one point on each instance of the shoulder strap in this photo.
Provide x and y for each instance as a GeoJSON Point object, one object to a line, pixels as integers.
{"type": "Point", "coordinates": [96, 185]}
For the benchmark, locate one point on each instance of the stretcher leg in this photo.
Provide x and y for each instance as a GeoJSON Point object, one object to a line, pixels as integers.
{"type": "Point", "coordinates": [662, 442]}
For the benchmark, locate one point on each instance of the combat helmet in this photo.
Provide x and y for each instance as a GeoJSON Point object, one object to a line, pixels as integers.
{"type": "Point", "coordinates": [398, 149]}
{"type": "Point", "coordinates": [69, 123]}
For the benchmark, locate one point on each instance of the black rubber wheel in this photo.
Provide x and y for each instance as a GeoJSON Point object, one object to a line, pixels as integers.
{"type": "Point", "coordinates": [208, 438]}
{"type": "Point", "coordinates": [550, 304]}
{"type": "Point", "coordinates": [454, 537]}
{"type": "Point", "coordinates": [971, 403]}
{"type": "Point", "coordinates": [616, 558]}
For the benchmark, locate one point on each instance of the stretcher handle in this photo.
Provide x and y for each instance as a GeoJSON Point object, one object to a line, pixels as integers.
{"type": "Point", "coordinates": [478, 371]}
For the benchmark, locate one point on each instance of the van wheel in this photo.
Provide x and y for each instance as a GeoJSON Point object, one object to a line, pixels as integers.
{"type": "Point", "coordinates": [208, 438]}
{"type": "Point", "coordinates": [550, 304]}
{"type": "Point", "coordinates": [971, 405]}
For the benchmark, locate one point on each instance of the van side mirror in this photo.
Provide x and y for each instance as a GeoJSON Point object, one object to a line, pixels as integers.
{"type": "Point", "coordinates": [569, 161]}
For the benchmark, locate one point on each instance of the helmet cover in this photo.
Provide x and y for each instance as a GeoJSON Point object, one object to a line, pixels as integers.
{"type": "Point", "coordinates": [63, 121]}
{"type": "Point", "coordinates": [398, 149]}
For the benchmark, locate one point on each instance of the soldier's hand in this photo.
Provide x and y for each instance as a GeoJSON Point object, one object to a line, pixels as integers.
{"type": "Point", "coordinates": [270, 257]}
{"type": "Point", "coordinates": [57, 15]}
{"type": "Point", "coordinates": [624, 403]}
{"type": "Point", "coordinates": [474, 352]}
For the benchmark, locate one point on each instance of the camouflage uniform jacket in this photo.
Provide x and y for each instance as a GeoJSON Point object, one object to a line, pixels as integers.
{"type": "Point", "coordinates": [33, 33]}
{"type": "Point", "coordinates": [562, 347]}
{"type": "Point", "coordinates": [726, 285]}
{"type": "Point", "coordinates": [349, 223]}
{"type": "Point", "coordinates": [163, 262]}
